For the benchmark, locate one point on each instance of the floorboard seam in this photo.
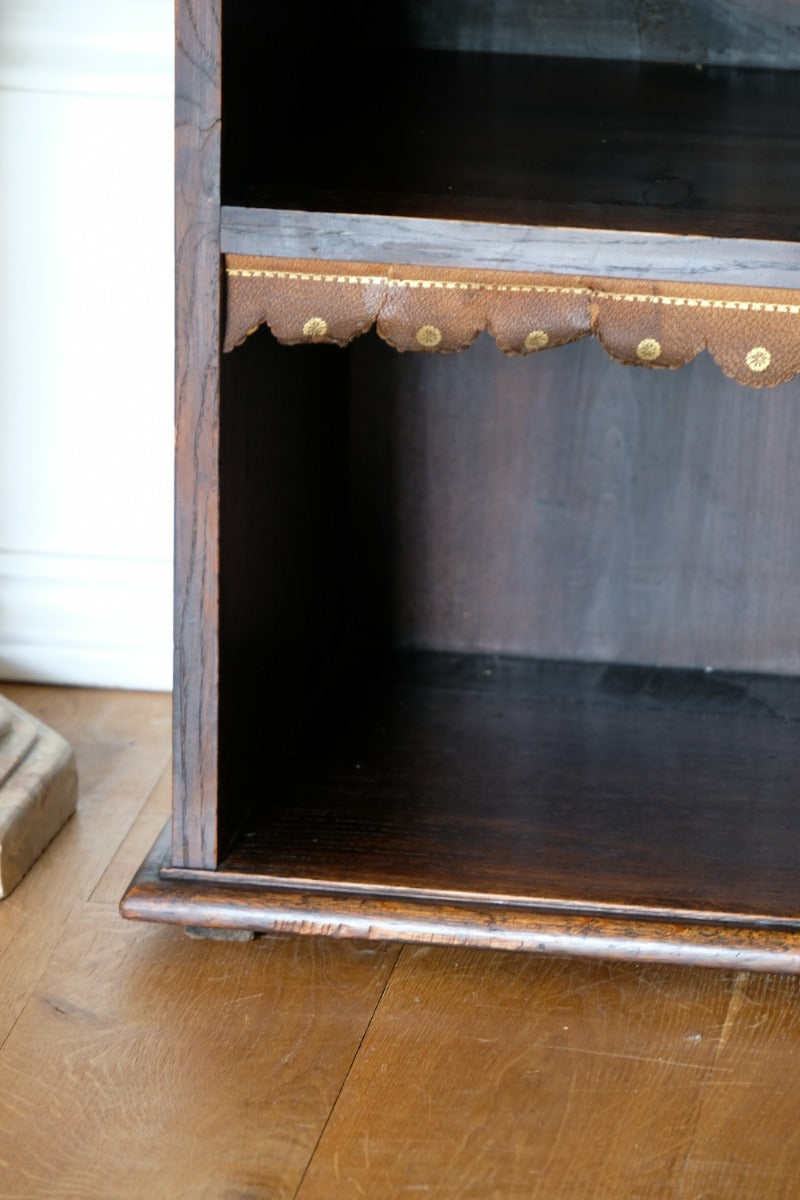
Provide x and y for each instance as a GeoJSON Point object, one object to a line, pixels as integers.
{"type": "Point", "coordinates": [343, 1084]}
{"type": "Point", "coordinates": [15, 1022]}
{"type": "Point", "coordinates": [147, 798]}
{"type": "Point", "coordinates": [81, 901]}
{"type": "Point", "coordinates": [33, 990]}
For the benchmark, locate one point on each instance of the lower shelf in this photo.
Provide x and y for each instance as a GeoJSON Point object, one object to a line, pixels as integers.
{"type": "Point", "coordinates": [565, 808]}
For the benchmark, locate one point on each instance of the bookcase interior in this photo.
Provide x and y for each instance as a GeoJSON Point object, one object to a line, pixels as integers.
{"type": "Point", "coordinates": [510, 627]}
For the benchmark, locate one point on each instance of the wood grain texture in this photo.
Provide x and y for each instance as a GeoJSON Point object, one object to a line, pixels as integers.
{"type": "Point", "coordinates": [144, 1064]}
{"type": "Point", "coordinates": [121, 743]}
{"type": "Point", "coordinates": [166, 1067]}
{"type": "Point", "coordinates": [518, 1078]}
{"type": "Point", "coordinates": [740, 1146]}
{"type": "Point", "coordinates": [197, 151]}
{"type": "Point", "coordinates": [564, 506]}
{"type": "Point", "coordinates": [137, 842]}
{"type": "Point", "coordinates": [470, 776]}
{"type": "Point", "coordinates": [362, 237]}
{"type": "Point", "coordinates": [245, 902]}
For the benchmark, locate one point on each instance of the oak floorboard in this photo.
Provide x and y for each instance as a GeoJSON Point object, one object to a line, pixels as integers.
{"type": "Point", "coordinates": [121, 741]}
{"type": "Point", "coordinates": [137, 843]}
{"type": "Point", "coordinates": [137, 1062]}
{"type": "Point", "coordinates": [150, 1064]}
{"type": "Point", "coordinates": [747, 1141]}
{"type": "Point", "coordinates": [490, 1075]}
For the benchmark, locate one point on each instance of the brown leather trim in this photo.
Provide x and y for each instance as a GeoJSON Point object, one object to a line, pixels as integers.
{"type": "Point", "coordinates": [753, 334]}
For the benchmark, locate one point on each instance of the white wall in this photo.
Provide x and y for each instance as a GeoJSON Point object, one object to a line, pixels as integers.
{"type": "Point", "coordinates": [86, 341]}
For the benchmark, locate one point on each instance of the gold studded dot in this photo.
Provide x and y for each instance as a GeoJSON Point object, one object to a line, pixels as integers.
{"type": "Point", "coordinates": [315, 327]}
{"type": "Point", "coordinates": [429, 336]}
{"type": "Point", "coordinates": [758, 359]}
{"type": "Point", "coordinates": [648, 350]}
{"type": "Point", "coordinates": [537, 339]}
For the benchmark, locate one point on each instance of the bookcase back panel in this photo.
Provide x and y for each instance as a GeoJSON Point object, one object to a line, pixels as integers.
{"type": "Point", "coordinates": [724, 32]}
{"type": "Point", "coordinates": [565, 506]}
{"type": "Point", "coordinates": [733, 32]}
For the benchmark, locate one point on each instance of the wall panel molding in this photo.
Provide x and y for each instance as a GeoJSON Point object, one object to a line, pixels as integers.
{"type": "Point", "coordinates": [98, 622]}
{"type": "Point", "coordinates": [86, 341]}
{"type": "Point", "coordinates": [88, 46]}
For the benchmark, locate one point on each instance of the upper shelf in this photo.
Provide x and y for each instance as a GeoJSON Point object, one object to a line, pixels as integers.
{"type": "Point", "coordinates": [541, 141]}
{"type": "Point", "coordinates": [604, 148]}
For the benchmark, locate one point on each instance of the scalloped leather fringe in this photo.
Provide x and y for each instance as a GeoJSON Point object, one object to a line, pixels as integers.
{"type": "Point", "coordinates": [753, 334]}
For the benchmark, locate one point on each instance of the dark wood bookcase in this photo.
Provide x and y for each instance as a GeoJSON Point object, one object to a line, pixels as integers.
{"type": "Point", "coordinates": [474, 648]}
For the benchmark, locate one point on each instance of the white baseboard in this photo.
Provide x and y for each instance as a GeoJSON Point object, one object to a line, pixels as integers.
{"type": "Point", "coordinates": [96, 622]}
{"type": "Point", "coordinates": [87, 46]}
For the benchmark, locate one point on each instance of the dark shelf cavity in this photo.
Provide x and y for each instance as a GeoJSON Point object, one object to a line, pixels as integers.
{"type": "Point", "coordinates": [652, 147]}
{"type": "Point", "coordinates": [568, 784]}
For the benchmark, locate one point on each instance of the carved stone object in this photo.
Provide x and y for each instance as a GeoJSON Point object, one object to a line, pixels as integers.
{"type": "Point", "coordinates": [38, 790]}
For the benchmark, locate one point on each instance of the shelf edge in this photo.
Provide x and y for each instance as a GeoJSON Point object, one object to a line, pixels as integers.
{"type": "Point", "coordinates": [283, 233]}
{"type": "Point", "coordinates": [249, 906]}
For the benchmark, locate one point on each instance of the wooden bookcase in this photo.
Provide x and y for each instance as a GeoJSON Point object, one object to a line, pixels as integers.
{"type": "Point", "coordinates": [480, 648]}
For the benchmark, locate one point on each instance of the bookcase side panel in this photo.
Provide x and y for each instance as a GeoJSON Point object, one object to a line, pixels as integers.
{"type": "Point", "coordinates": [196, 670]}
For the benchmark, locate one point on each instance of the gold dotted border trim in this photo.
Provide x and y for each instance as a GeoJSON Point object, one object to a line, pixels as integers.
{"type": "Point", "coordinates": [528, 288]}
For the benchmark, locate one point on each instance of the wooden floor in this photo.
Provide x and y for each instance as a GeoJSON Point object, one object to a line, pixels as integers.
{"type": "Point", "coordinates": [136, 1062]}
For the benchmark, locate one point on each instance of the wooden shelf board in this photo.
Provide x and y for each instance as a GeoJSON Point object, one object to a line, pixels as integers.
{"type": "Point", "coordinates": [511, 797]}
{"type": "Point", "coordinates": [616, 146]}
{"type": "Point", "coordinates": [156, 894]}
{"type": "Point", "coordinates": [559, 250]}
